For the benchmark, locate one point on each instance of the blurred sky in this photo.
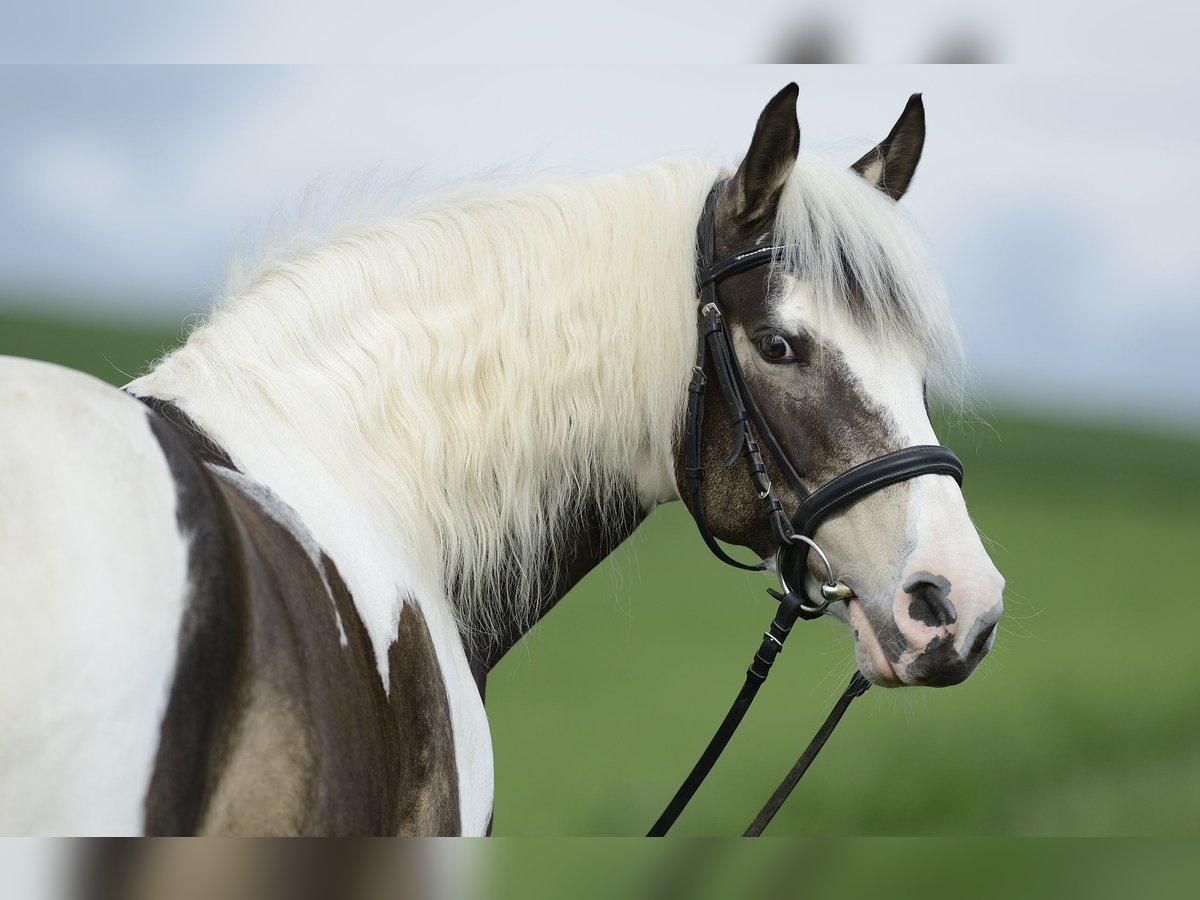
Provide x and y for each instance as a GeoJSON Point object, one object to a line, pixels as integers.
{"type": "Point", "coordinates": [616, 31]}
{"type": "Point", "coordinates": [1058, 199]}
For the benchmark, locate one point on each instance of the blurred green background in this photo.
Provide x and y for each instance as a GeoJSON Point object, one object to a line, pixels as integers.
{"type": "Point", "coordinates": [900, 869]}
{"type": "Point", "coordinates": [1085, 719]}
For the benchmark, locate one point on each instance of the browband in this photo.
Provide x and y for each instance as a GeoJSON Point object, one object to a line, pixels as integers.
{"type": "Point", "coordinates": [737, 262]}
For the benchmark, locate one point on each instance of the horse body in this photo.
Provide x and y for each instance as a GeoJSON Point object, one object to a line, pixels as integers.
{"type": "Point", "coordinates": [249, 699]}
{"type": "Point", "coordinates": [259, 590]}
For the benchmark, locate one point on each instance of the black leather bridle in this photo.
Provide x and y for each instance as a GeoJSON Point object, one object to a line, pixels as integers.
{"type": "Point", "coordinates": [795, 534]}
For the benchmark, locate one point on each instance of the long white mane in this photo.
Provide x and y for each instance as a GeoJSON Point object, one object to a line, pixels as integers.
{"type": "Point", "coordinates": [478, 373]}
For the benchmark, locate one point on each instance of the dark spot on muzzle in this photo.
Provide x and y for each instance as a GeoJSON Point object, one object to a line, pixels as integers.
{"type": "Point", "coordinates": [930, 603]}
{"type": "Point", "coordinates": [940, 665]}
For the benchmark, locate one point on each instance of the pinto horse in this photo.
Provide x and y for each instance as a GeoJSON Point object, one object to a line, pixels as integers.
{"type": "Point", "coordinates": [259, 590]}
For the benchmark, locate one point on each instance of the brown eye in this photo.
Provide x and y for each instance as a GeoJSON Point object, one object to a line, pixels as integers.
{"type": "Point", "coordinates": [775, 348]}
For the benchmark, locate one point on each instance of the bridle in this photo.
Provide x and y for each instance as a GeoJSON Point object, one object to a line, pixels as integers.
{"type": "Point", "coordinates": [795, 534]}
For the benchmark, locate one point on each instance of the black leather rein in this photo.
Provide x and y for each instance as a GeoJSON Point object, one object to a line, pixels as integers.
{"type": "Point", "coordinates": [794, 534]}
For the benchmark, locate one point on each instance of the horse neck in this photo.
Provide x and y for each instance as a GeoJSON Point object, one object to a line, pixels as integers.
{"type": "Point", "coordinates": [591, 536]}
{"type": "Point", "coordinates": [476, 382]}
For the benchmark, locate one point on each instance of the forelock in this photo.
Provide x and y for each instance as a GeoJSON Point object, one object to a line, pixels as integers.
{"type": "Point", "coordinates": [853, 246]}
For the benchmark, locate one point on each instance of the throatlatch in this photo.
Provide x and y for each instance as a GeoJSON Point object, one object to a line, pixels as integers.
{"type": "Point", "coordinates": [795, 534]}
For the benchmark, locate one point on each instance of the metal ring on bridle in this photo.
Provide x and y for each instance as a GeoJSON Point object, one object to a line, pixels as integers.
{"type": "Point", "coordinates": [831, 582]}
{"type": "Point", "coordinates": [821, 553]}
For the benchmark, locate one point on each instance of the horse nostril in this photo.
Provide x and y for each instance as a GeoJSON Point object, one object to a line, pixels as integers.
{"type": "Point", "coordinates": [980, 642]}
{"type": "Point", "coordinates": [930, 602]}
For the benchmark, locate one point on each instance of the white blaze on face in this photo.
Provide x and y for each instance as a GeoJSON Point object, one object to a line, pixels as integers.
{"type": "Point", "coordinates": [931, 540]}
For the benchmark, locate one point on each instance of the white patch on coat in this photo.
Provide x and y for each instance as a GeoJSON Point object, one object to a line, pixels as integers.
{"type": "Point", "coordinates": [92, 590]}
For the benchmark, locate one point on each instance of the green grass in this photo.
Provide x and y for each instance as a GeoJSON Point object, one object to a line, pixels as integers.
{"type": "Point", "coordinates": [1085, 720]}
{"type": "Point", "coordinates": [903, 869]}
{"type": "Point", "coordinates": [116, 353]}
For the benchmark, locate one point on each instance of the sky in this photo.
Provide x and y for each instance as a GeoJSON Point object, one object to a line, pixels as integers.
{"type": "Point", "coordinates": [1057, 199]}
{"type": "Point", "coordinates": [616, 31]}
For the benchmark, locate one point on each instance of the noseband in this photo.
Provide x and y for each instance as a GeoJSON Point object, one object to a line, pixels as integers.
{"type": "Point", "coordinates": [795, 534]}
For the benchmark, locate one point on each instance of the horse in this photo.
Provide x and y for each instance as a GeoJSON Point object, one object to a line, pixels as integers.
{"type": "Point", "coordinates": [258, 590]}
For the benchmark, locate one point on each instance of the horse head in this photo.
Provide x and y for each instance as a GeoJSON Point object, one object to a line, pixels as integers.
{"type": "Point", "coordinates": [835, 341]}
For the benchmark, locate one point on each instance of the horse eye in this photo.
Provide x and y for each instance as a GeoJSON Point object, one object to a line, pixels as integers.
{"type": "Point", "coordinates": [775, 348]}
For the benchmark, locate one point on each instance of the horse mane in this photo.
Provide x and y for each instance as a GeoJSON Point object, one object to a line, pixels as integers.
{"type": "Point", "coordinates": [478, 370]}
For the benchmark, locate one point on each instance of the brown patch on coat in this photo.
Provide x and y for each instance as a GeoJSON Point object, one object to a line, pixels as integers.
{"type": "Point", "coordinates": [208, 651]}
{"type": "Point", "coordinates": [300, 737]}
{"type": "Point", "coordinates": [429, 795]}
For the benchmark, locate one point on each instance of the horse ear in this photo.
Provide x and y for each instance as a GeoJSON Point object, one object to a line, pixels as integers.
{"type": "Point", "coordinates": [890, 165]}
{"type": "Point", "coordinates": [759, 180]}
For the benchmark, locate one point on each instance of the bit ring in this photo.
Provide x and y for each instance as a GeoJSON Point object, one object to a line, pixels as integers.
{"type": "Point", "coordinates": [831, 590]}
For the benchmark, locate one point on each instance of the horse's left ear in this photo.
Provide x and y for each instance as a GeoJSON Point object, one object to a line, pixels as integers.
{"type": "Point", "coordinates": [759, 180]}
{"type": "Point", "coordinates": [890, 165]}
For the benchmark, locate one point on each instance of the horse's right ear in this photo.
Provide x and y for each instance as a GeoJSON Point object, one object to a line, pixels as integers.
{"type": "Point", "coordinates": [759, 180]}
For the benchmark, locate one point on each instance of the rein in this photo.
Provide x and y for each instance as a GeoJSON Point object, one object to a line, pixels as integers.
{"type": "Point", "coordinates": [795, 534]}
